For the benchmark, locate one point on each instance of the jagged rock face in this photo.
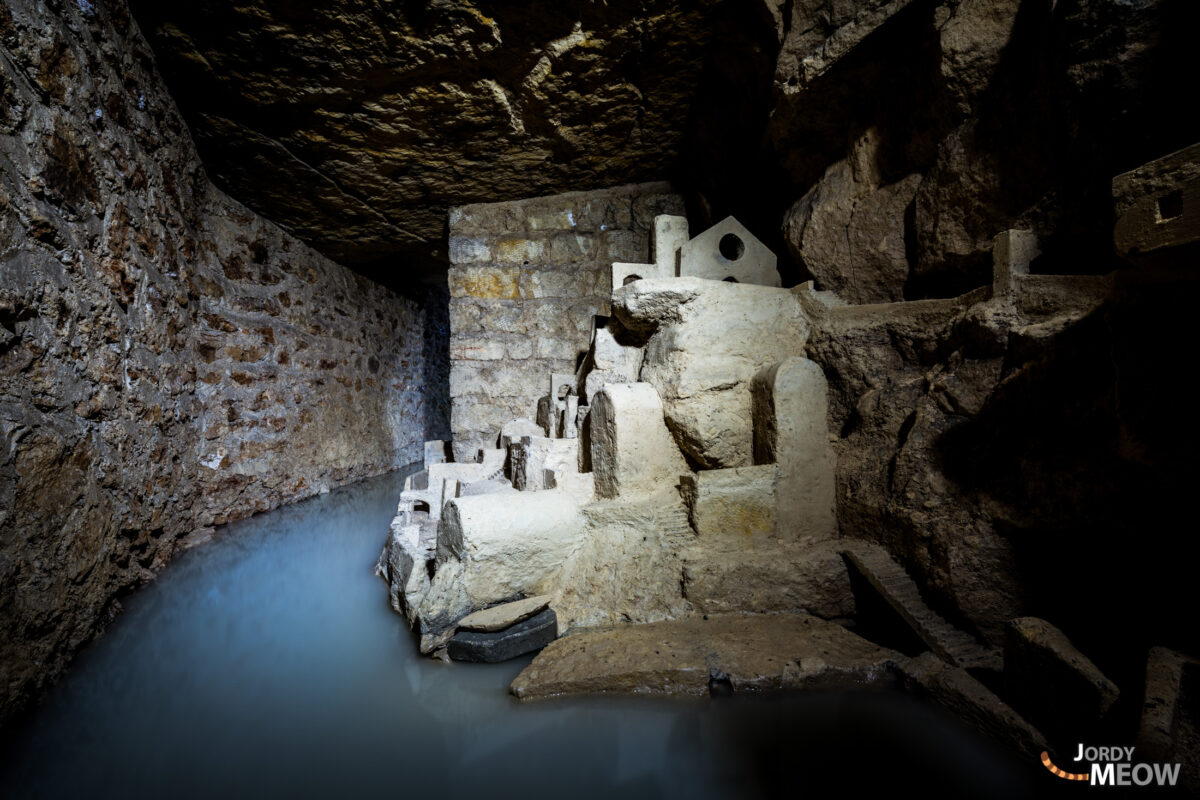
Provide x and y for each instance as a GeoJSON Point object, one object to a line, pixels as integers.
{"type": "Point", "coordinates": [848, 230]}
{"type": "Point", "coordinates": [980, 115]}
{"type": "Point", "coordinates": [1024, 453]}
{"type": "Point", "coordinates": [357, 124]}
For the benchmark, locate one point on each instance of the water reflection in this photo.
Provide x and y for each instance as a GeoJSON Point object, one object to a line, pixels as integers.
{"type": "Point", "coordinates": [268, 663]}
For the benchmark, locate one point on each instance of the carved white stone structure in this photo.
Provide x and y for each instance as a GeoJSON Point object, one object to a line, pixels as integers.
{"type": "Point", "coordinates": [670, 235]}
{"type": "Point", "coordinates": [1012, 253]}
{"type": "Point", "coordinates": [791, 431]}
{"type": "Point", "coordinates": [727, 251]}
{"type": "Point", "coordinates": [686, 365]}
{"type": "Point", "coordinates": [610, 360]}
{"type": "Point", "coordinates": [632, 450]}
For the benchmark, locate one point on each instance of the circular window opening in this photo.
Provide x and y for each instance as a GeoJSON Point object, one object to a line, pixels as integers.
{"type": "Point", "coordinates": [731, 247]}
{"type": "Point", "coordinates": [630, 279]}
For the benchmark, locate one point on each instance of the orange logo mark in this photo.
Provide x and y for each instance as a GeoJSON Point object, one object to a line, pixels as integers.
{"type": "Point", "coordinates": [1071, 776]}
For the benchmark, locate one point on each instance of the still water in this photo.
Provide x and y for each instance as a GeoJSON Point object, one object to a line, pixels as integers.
{"type": "Point", "coordinates": [267, 663]}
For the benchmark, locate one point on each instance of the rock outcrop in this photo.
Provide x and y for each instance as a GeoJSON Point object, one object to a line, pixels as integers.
{"type": "Point", "coordinates": [746, 653]}
{"type": "Point", "coordinates": [848, 231]}
{"type": "Point", "coordinates": [915, 132]}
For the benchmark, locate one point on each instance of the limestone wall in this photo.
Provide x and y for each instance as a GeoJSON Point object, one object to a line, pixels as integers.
{"type": "Point", "coordinates": [526, 278]}
{"type": "Point", "coordinates": [168, 360]}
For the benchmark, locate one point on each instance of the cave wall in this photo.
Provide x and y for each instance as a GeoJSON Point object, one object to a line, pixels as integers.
{"type": "Point", "coordinates": [914, 131]}
{"type": "Point", "coordinates": [168, 359]}
{"type": "Point", "coordinates": [359, 124]}
{"type": "Point", "coordinates": [991, 444]}
{"type": "Point", "coordinates": [526, 279]}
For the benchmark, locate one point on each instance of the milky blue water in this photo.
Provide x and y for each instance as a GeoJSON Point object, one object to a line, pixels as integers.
{"type": "Point", "coordinates": [267, 663]}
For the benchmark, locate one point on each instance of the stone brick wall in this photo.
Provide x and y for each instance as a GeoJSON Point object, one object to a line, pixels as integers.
{"type": "Point", "coordinates": [526, 278]}
{"type": "Point", "coordinates": [168, 360]}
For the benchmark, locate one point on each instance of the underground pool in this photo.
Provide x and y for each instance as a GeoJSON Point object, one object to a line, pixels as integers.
{"type": "Point", "coordinates": [267, 663]}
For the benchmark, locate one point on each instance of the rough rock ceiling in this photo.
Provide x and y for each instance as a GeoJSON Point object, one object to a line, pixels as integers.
{"type": "Point", "coordinates": [357, 123]}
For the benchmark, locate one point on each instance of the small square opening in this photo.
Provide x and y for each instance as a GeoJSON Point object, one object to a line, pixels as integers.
{"type": "Point", "coordinates": [1170, 206]}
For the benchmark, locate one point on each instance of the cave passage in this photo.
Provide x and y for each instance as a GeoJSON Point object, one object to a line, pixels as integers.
{"type": "Point", "coordinates": [267, 663]}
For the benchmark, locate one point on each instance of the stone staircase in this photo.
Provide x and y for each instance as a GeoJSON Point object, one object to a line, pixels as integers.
{"type": "Point", "coordinates": [900, 592]}
{"type": "Point", "coordinates": [671, 520]}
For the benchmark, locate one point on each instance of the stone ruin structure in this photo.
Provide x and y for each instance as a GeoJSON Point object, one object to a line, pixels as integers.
{"type": "Point", "coordinates": [659, 508]}
{"type": "Point", "coordinates": [684, 468]}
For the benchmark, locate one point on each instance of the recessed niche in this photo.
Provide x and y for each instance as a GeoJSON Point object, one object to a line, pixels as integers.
{"type": "Point", "coordinates": [1170, 206]}
{"type": "Point", "coordinates": [731, 246]}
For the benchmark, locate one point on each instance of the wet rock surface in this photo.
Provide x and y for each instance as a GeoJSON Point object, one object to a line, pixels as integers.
{"type": "Point", "coordinates": [515, 640]}
{"type": "Point", "coordinates": [746, 652]}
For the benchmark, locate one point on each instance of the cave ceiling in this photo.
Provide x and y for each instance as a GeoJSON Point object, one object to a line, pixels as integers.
{"type": "Point", "coordinates": [356, 124]}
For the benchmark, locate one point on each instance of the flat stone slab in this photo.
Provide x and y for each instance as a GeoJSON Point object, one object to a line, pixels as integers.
{"type": "Point", "coordinates": [747, 652]}
{"type": "Point", "coordinates": [497, 618]}
{"type": "Point", "coordinates": [524, 637]}
{"type": "Point", "coordinates": [1051, 681]}
{"type": "Point", "coordinates": [956, 691]}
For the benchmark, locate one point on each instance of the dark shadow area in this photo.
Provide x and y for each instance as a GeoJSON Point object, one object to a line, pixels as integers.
{"type": "Point", "coordinates": [436, 370]}
{"type": "Point", "coordinates": [723, 168]}
{"type": "Point", "coordinates": [1089, 447]}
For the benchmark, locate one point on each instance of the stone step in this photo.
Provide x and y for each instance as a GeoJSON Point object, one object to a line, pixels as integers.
{"type": "Point", "coordinates": [672, 521]}
{"type": "Point", "coordinates": [900, 592]}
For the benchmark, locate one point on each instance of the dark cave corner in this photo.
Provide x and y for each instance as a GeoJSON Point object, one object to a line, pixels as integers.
{"type": "Point", "coordinates": [435, 375]}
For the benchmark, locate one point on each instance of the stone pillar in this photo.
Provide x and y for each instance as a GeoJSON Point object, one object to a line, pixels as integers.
{"type": "Point", "coordinates": [790, 407]}
{"type": "Point", "coordinates": [632, 450]}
